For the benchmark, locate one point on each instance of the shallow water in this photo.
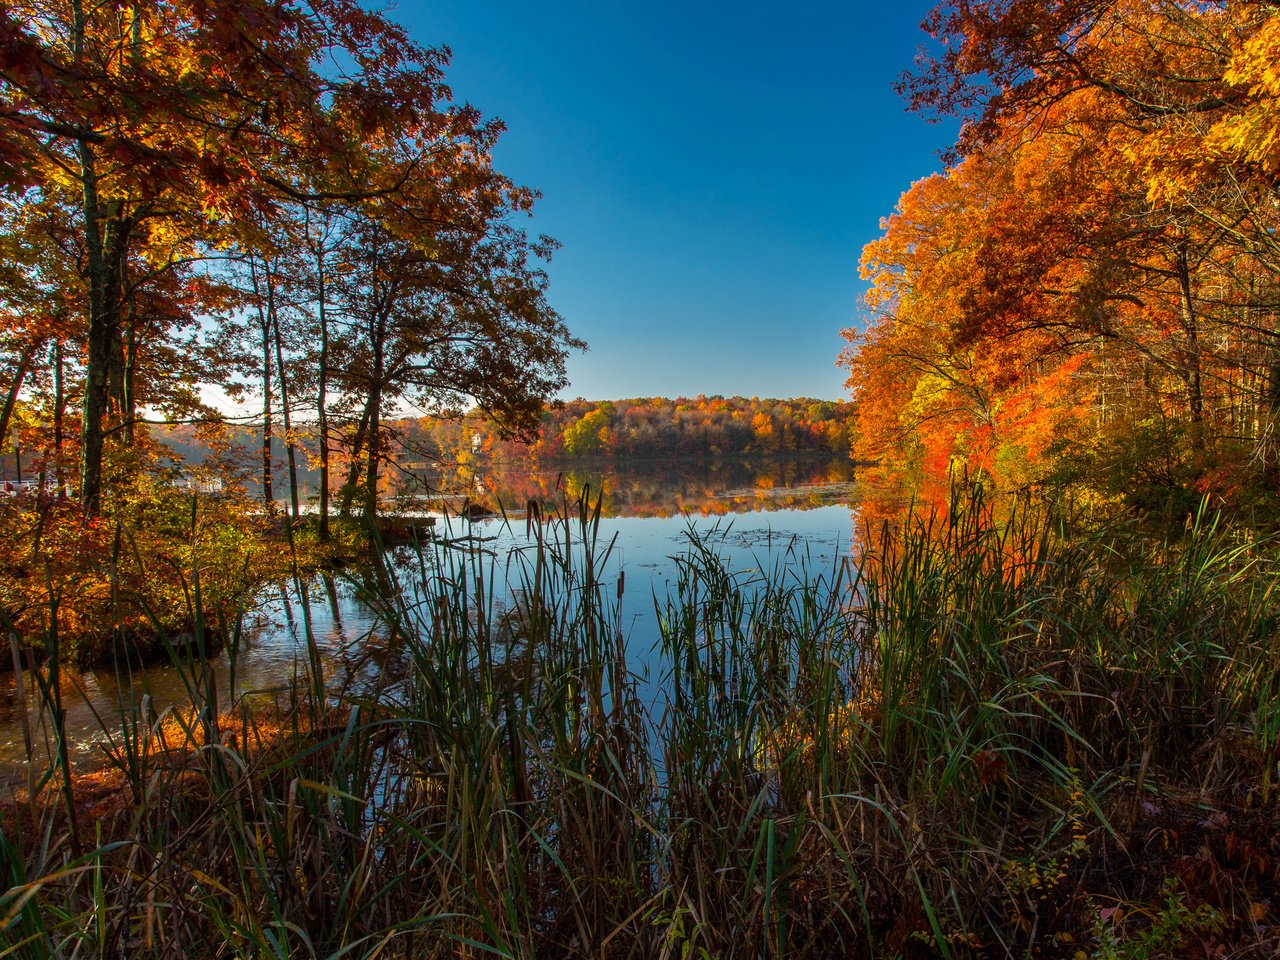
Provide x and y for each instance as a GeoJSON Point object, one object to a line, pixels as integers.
{"type": "Point", "coordinates": [805, 520]}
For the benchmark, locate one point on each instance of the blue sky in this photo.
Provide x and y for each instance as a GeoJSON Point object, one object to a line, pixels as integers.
{"type": "Point", "coordinates": [711, 171]}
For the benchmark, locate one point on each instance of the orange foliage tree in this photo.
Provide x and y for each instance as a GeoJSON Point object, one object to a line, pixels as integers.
{"type": "Point", "coordinates": [1096, 270]}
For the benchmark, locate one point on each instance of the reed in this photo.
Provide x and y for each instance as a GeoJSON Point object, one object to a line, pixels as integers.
{"type": "Point", "coordinates": [977, 736]}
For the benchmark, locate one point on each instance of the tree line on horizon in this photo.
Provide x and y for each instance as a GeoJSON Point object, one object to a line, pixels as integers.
{"type": "Point", "coordinates": [423, 452]}
{"type": "Point", "coordinates": [1090, 291]}
{"type": "Point", "coordinates": [648, 428]}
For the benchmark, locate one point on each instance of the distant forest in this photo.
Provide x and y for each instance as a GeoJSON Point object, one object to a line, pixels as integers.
{"type": "Point", "coordinates": [646, 428]}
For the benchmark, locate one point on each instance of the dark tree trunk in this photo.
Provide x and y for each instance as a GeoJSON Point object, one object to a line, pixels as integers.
{"type": "Point", "coordinates": [11, 397]}
{"type": "Point", "coordinates": [322, 414]}
{"type": "Point", "coordinates": [290, 450]}
{"type": "Point", "coordinates": [1269, 434]}
{"type": "Point", "coordinates": [378, 324]}
{"type": "Point", "coordinates": [1192, 376]}
{"type": "Point", "coordinates": [59, 414]}
{"type": "Point", "coordinates": [347, 494]}
{"type": "Point", "coordinates": [375, 451]}
{"type": "Point", "coordinates": [102, 253]}
{"type": "Point", "coordinates": [264, 328]}
{"type": "Point", "coordinates": [103, 249]}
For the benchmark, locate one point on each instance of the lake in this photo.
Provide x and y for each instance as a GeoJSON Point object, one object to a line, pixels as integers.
{"type": "Point", "coordinates": [756, 515]}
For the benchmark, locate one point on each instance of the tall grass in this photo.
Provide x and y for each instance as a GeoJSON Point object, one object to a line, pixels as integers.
{"type": "Point", "coordinates": [960, 741]}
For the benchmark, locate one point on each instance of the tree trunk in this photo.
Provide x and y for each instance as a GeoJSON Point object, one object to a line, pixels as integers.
{"type": "Point", "coordinates": [103, 252]}
{"type": "Point", "coordinates": [1273, 382]}
{"type": "Point", "coordinates": [104, 314]}
{"type": "Point", "coordinates": [322, 415]}
{"type": "Point", "coordinates": [347, 494]}
{"type": "Point", "coordinates": [117, 392]}
{"type": "Point", "coordinates": [11, 396]}
{"type": "Point", "coordinates": [375, 452]}
{"type": "Point", "coordinates": [377, 343]}
{"type": "Point", "coordinates": [59, 412]}
{"type": "Point", "coordinates": [1269, 434]}
{"type": "Point", "coordinates": [290, 450]}
{"type": "Point", "coordinates": [264, 327]}
{"type": "Point", "coordinates": [1190, 323]}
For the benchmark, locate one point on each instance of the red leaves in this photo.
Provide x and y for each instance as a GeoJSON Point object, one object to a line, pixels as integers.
{"type": "Point", "coordinates": [991, 766]}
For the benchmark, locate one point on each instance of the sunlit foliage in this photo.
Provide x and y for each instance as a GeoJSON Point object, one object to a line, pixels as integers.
{"type": "Point", "coordinates": [1090, 290]}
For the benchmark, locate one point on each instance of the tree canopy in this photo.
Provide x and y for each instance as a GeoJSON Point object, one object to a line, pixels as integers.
{"type": "Point", "coordinates": [180, 171]}
{"type": "Point", "coordinates": [1091, 286]}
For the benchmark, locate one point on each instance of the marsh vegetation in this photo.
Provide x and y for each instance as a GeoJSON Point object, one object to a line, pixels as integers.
{"type": "Point", "coordinates": [984, 733]}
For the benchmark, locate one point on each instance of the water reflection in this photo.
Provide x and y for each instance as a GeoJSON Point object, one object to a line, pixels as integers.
{"type": "Point", "coordinates": [652, 489]}
{"type": "Point", "coordinates": [272, 652]}
{"type": "Point", "coordinates": [783, 513]}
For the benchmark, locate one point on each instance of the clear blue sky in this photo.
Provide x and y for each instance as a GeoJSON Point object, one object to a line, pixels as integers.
{"type": "Point", "coordinates": [712, 172]}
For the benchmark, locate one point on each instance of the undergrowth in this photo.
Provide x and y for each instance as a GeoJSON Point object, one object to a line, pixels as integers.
{"type": "Point", "coordinates": [977, 737]}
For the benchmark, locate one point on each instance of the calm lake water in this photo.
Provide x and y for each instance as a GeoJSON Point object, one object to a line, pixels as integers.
{"type": "Point", "coordinates": [756, 515]}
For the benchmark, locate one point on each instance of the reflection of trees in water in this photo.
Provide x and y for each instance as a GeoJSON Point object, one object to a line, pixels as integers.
{"type": "Point", "coordinates": [672, 488]}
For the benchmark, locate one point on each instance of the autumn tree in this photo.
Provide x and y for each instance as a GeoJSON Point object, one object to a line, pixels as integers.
{"type": "Point", "coordinates": [163, 124]}
{"type": "Point", "coordinates": [30, 271]}
{"type": "Point", "coordinates": [447, 309]}
{"type": "Point", "coordinates": [1100, 242]}
{"type": "Point", "coordinates": [587, 435]}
